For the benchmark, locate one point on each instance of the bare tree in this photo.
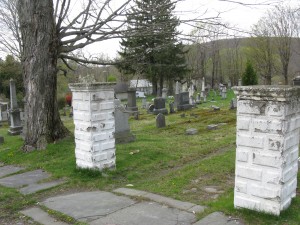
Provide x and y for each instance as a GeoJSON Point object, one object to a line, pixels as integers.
{"type": "Point", "coordinates": [50, 33]}
{"type": "Point", "coordinates": [10, 38]}
{"type": "Point", "coordinates": [263, 54]}
{"type": "Point", "coordinates": [283, 25]}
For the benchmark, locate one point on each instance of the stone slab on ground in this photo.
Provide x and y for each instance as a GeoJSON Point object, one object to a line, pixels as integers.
{"type": "Point", "coordinates": [6, 170]}
{"type": "Point", "coordinates": [218, 218]}
{"type": "Point", "coordinates": [19, 180]}
{"type": "Point", "coordinates": [41, 216]}
{"type": "Point", "coordinates": [88, 206]}
{"type": "Point", "coordinates": [147, 213]}
{"type": "Point", "coordinates": [161, 199]}
{"type": "Point", "coordinates": [32, 188]}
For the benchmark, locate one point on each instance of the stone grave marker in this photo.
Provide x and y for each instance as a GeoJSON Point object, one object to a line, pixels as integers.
{"type": "Point", "coordinates": [159, 106]}
{"type": "Point", "coordinates": [183, 101]}
{"type": "Point", "coordinates": [122, 130]}
{"type": "Point", "coordinates": [224, 92]}
{"type": "Point", "coordinates": [15, 119]}
{"type": "Point", "coordinates": [144, 103]}
{"type": "Point", "coordinates": [131, 100]}
{"type": "Point", "coordinates": [171, 106]}
{"type": "Point", "coordinates": [160, 120]}
{"type": "Point", "coordinates": [164, 93]}
{"type": "Point", "coordinates": [3, 111]}
{"type": "Point", "coordinates": [233, 103]}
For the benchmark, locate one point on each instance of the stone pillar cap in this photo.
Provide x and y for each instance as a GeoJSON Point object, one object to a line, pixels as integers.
{"type": "Point", "coordinates": [91, 86]}
{"type": "Point", "coordinates": [267, 92]}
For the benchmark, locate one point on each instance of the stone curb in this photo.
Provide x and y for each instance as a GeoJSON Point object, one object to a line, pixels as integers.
{"type": "Point", "coordinates": [187, 206]}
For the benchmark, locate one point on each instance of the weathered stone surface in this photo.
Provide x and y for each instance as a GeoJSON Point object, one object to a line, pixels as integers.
{"type": "Point", "coordinates": [6, 170]}
{"type": "Point", "coordinates": [41, 216]}
{"type": "Point", "coordinates": [32, 188]}
{"type": "Point", "coordinates": [19, 180]}
{"type": "Point", "coordinates": [94, 121]}
{"type": "Point", "coordinates": [191, 131]}
{"type": "Point", "coordinates": [161, 199]}
{"type": "Point", "coordinates": [147, 213]}
{"type": "Point", "coordinates": [88, 206]}
{"type": "Point", "coordinates": [160, 121]}
{"type": "Point", "coordinates": [212, 127]}
{"type": "Point", "coordinates": [267, 147]}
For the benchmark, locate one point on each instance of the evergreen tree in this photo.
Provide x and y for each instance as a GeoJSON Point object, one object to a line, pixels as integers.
{"type": "Point", "coordinates": [150, 47]}
{"type": "Point", "coordinates": [249, 76]}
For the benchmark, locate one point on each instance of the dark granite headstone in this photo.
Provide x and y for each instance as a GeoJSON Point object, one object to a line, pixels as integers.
{"type": "Point", "coordinates": [296, 81]}
{"type": "Point", "coordinates": [159, 106]}
{"type": "Point", "coordinates": [183, 101]}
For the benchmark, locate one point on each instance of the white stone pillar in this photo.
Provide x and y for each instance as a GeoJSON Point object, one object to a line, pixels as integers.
{"type": "Point", "coordinates": [93, 109]}
{"type": "Point", "coordinates": [268, 121]}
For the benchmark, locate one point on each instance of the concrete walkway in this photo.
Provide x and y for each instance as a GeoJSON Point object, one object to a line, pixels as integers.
{"type": "Point", "coordinates": [122, 207]}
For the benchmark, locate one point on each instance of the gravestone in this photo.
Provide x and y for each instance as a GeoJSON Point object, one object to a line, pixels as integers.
{"type": "Point", "coordinates": [150, 108]}
{"type": "Point", "coordinates": [296, 81]}
{"type": "Point", "coordinates": [160, 106]}
{"type": "Point", "coordinates": [3, 111]}
{"type": "Point", "coordinates": [233, 103]}
{"type": "Point", "coordinates": [240, 82]}
{"type": "Point", "coordinates": [203, 93]}
{"type": "Point", "coordinates": [191, 131]}
{"type": "Point", "coordinates": [171, 106]}
{"type": "Point", "coordinates": [198, 99]}
{"type": "Point", "coordinates": [183, 101]}
{"type": "Point", "coordinates": [224, 92]}
{"type": "Point", "coordinates": [15, 119]}
{"type": "Point", "coordinates": [229, 84]}
{"type": "Point", "coordinates": [160, 120]}
{"type": "Point", "coordinates": [144, 103]}
{"type": "Point", "coordinates": [131, 100]}
{"type": "Point", "coordinates": [164, 93]}
{"type": "Point", "coordinates": [177, 88]}
{"type": "Point", "coordinates": [122, 129]}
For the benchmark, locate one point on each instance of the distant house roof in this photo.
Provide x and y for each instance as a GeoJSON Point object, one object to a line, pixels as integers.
{"type": "Point", "coordinates": [140, 83]}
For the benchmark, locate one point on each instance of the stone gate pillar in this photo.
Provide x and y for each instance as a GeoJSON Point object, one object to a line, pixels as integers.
{"type": "Point", "coordinates": [268, 121]}
{"type": "Point", "coordinates": [93, 113]}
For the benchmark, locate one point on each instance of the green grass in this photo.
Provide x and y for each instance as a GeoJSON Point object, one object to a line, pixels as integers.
{"type": "Point", "coordinates": [168, 162]}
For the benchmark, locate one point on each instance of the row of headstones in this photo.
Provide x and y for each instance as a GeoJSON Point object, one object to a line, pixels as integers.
{"type": "Point", "coordinates": [14, 113]}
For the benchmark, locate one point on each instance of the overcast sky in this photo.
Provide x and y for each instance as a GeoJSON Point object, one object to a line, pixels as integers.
{"type": "Point", "coordinates": [236, 14]}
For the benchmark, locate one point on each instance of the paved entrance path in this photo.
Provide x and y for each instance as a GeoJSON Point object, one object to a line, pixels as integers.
{"type": "Point", "coordinates": [106, 208]}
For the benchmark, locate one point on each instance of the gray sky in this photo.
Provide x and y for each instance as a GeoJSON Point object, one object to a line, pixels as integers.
{"type": "Point", "coordinates": [236, 14]}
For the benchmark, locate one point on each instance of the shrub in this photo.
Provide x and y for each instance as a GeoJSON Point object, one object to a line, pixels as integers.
{"type": "Point", "coordinates": [249, 76]}
{"type": "Point", "coordinates": [111, 78]}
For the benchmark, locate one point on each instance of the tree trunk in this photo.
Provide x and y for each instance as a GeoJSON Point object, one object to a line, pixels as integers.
{"type": "Point", "coordinates": [39, 63]}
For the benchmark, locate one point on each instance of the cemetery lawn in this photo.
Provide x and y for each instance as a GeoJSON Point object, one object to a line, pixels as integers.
{"type": "Point", "coordinates": [196, 168]}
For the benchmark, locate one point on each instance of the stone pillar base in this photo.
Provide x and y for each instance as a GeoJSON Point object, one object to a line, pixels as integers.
{"type": "Point", "coordinates": [15, 131]}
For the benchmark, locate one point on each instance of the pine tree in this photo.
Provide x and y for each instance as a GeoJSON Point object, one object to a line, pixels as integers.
{"type": "Point", "coordinates": [249, 76]}
{"type": "Point", "coordinates": [150, 47]}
